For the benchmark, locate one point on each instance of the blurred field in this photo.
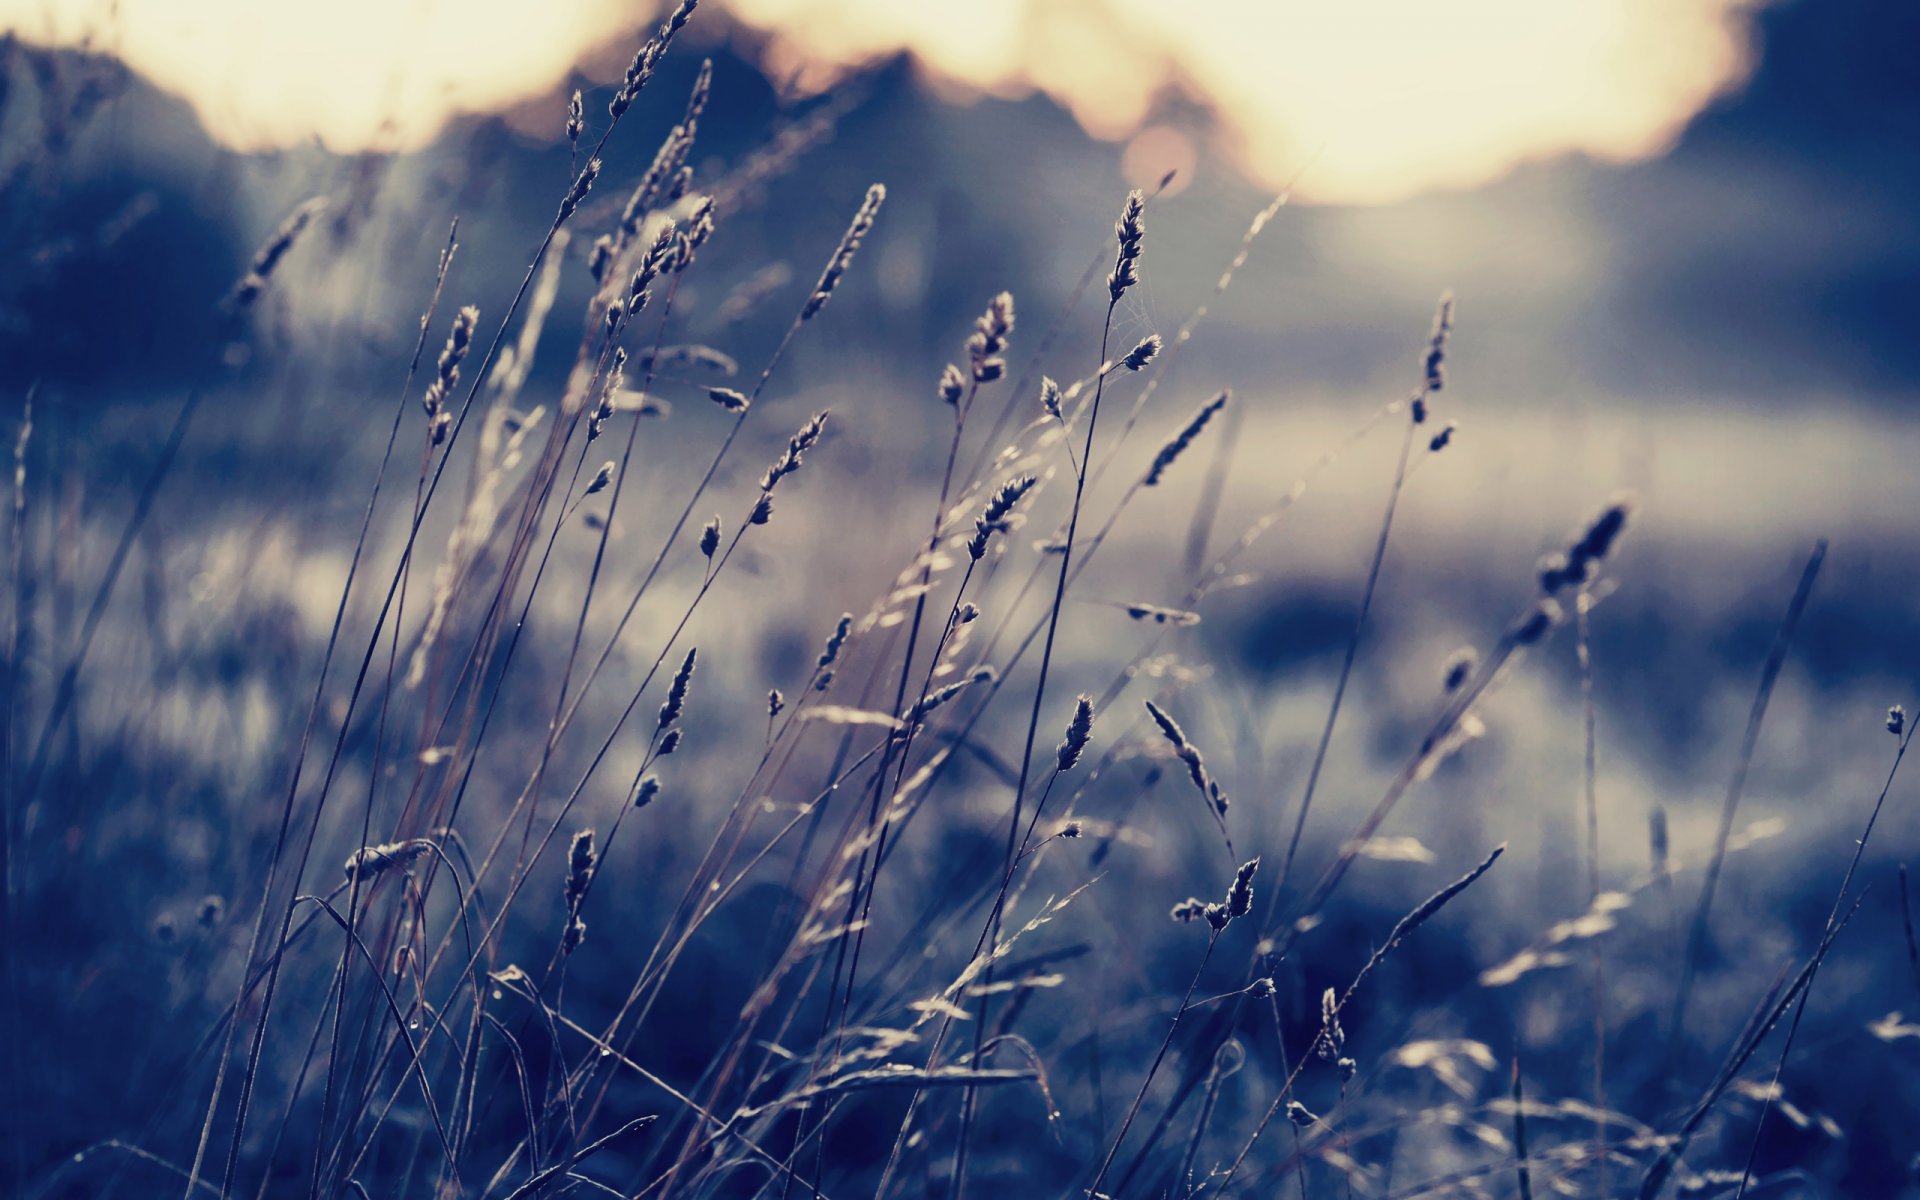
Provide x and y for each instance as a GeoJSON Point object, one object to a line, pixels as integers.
{"type": "Point", "coordinates": [262, 624]}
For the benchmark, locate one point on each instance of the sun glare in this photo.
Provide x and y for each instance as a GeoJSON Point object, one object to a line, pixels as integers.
{"type": "Point", "coordinates": [1386, 97]}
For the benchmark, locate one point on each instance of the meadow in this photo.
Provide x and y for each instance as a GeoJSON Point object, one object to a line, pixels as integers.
{"type": "Point", "coordinates": [644, 752]}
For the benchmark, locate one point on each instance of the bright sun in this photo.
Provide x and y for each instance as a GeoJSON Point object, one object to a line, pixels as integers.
{"type": "Point", "coordinates": [1388, 97]}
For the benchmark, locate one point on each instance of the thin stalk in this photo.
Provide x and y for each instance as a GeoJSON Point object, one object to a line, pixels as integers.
{"type": "Point", "coordinates": [1352, 652]}
{"type": "Point", "coordinates": [1583, 651]}
{"type": "Point", "coordinates": [1769, 675]}
{"type": "Point", "coordinates": [1833, 916]}
{"type": "Point", "coordinates": [1139, 1097]}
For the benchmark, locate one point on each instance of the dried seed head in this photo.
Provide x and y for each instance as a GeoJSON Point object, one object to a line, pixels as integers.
{"type": "Point", "coordinates": [843, 255]}
{"type": "Point", "coordinates": [1300, 1114]}
{"type": "Point", "coordinates": [762, 510]}
{"type": "Point", "coordinates": [697, 97]}
{"type": "Point", "coordinates": [1896, 720]}
{"type": "Point", "coordinates": [1441, 440]}
{"type": "Point", "coordinates": [989, 339]}
{"type": "Point", "coordinates": [728, 399]}
{"type": "Point", "coordinates": [650, 192]}
{"type": "Point", "coordinates": [927, 704]}
{"type": "Point", "coordinates": [576, 117]}
{"type": "Point", "coordinates": [1581, 561]}
{"type": "Point", "coordinates": [953, 384]}
{"type": "Point", "coordinates": [710, 536]}
{"type": "Point", "coordinates": [1217, 916]}
{"type": "Point", "coordinates": [1459, 669]}
{"type": "Point", "coordinates": [1333, 1039]}
{"type": "Point", "coordinates": [1240, 895]}
{"type": "Point", "coordinates": [657, 261]}
{"type": "Point", "coordinates": [997, 517]}
{"type": "Point", "coordinates": [603, 409]}
{"type": "Point", "coordinates": [1050, 398]}
{"type": "Point", "coordinates": [831, 654]}
{"type": "Point", "coordinates": [580, 859]}
{"type": "Point", "coordinates": [775, 702]}
{"type": "Point", "coordinates": [369, 861]}
{"type": "Point", "coordinates": [1073, 829]}
{"type": "Point", "coordinates": [1261, 988]}
{"type": "Point", "coordinates": [1434, 365]}
{"type": "Point", "coordinates": [1541, 618]}
{"type": "Point", "coordinates": [447, 369]}
{"type": "Point", "coordinates": [1142, 611]}
{"type": "Point", "coordinates": [699, 229]}
{"type": "Point", "coordinates": [790, 460]}
{"type": "Point", "coordinates": [1142, 353]}
{"type": "Point", "coordinates": [645, 793]}
{"type": "Point", "coordinates": [212, 908]}
{"type": "Point", "coordinates": [644, 62]}
{"type": "Point", "coordinates": [582, 184]}
{"type": "Point", "coordinates": [268, 257]}
{"type": "Point", "coordinates": [966, 614]}
{"type": "Point", "coordinates": [1348, 1069]}
{"type": "Point", "coordinates": [1189, 910]}
{"type": "Point", "coordinates": [670, 743]}
{"type": "Point", "coordinates": [1171, 452]}
{"type": "Point", "coordinates": [1079, 730]}
{"type": "Point", "coordinates": [1184, 750]}
{"type": "Point", "coordinates": [676, 701]}
{"type": "Point", "coordinates": [601, 478]}
{"type": "Point", "coordinates": [689, 357]}
{"type": "Point", "coordinates": [1128, 231]}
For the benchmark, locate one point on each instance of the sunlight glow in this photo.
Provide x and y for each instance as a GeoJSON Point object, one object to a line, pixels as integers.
{"type": "Point", "coordinates": [1388, 97]}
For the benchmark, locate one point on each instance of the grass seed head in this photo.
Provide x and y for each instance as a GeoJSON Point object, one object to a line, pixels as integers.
{"type": "Point", "coordinates": [1050, 398]}
{"type": "Point", "coordinates": [582, 184]}
{"type": "Point", "coordinates": [676, 701]}
{"type": "Point", "coordinates": [1143, 352]}
{"type": "Point", "coordinates": [843, 255]}
{"type": "Point", "coordinates": [580, 860]}
{"type": "Point", "coordinates": [1434, 365]}
{"type": "Point", "coordinates": [268, 257]}
{"type": "Point", "coordinates": [953, 385]}
{"type": "Point", "coordinates": [997, 517]}
{"type": "Point", "coordinates": [1171, 452]}
{"type": "Point", "coordinates": [1079, 731]}
{"type": "Point", "coordinates": [1582, 560]}
{"type": "Point", "coordinates": [1240, 894]}
{"type": "Point", "coordinates": [1128, 232]}
{"type": "Point", "coordinates": [1459, 669]}
{"type": "Point", "coordinates": [989, 339]}
{"type": "Point", "coordinates": [823, 666]}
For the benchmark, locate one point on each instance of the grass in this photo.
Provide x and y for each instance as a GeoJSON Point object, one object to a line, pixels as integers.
{"type": "Point", "coordinates": [911, 957]}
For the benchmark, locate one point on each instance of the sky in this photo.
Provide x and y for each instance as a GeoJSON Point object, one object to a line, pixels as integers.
{"type": "Point", "coordinates": [1384, 98]}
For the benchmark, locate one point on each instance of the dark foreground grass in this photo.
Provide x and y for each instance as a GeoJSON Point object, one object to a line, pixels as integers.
{"type": "Point", "coordinates": [488, 929]}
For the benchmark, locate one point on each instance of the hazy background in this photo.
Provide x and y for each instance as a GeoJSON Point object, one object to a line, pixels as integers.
{"type": "Point", "coordinates": [1681, 237]}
